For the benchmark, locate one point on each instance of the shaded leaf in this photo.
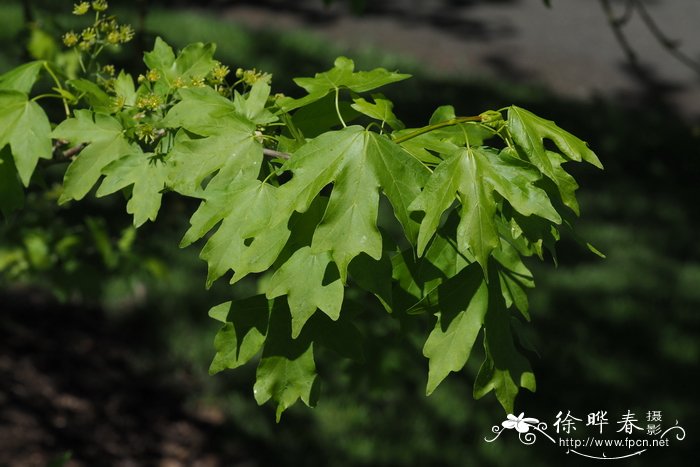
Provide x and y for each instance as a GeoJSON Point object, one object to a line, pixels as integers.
{"type": "Point", "coordinates": [359, 163]}
{"type": "Point", "coordinates": [11, 192]}
{"type": "Point", "coordinates": [302, 279]}
{"type": "Point", "coordinates": [471, 175]}
{"type": "Point", "coordinates": [504, 370]}
{"type": "Point", "coordinates": [243, 332]}
{"type": "Point", "coordinates": [287, 371]}
{"type": "Point", "coordinates": [463, 300]}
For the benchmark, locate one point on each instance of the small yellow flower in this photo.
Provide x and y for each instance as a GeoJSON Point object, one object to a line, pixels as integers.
{"type": "Point", "coordinates": [140, 79]}
{"type": "Point", "coordinates": [84, 46]}
{"type": "Point", "coordinates": [118, 103]}
{"type": "Point", "coordinates": [89, 34]}
{"type": "Point", "coordinates": [153, 76]}
{"type": "Point", "coordinates": [113, 37]}
{"type": "Point", "coordinates": [197, 82]}
{"type": "Point", "coordinates": [146, 132]}
{"type": "Point", "coordinates": [108, 69]}
{"type": "Point", "coordinates": [70, 39]}
{"type": "Point", "coordinates": [149, 102]}
{"type": "Point", "coordinates": [179, 83]}
{"type": "Point", "coordinates": [99, 5]}
{"type": "Point", "coordinates": [81, 8]}
{"type": "Point", "coordinates": [126, 33]}
{"type": "Point", "coordinates": [219, 73]}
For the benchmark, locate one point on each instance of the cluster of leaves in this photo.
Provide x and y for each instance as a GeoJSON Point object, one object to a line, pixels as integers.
{"type": "Point", "coordinates": [291, 194]}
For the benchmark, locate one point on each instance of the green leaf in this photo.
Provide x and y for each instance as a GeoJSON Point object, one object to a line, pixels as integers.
{"type": "Point", "coordinates": [252, 105]}
{"type": "Point", "coordinates": [463, 300]}
{"type": "Point", "coordinates": [22, 78]}
{"type": "Point", "coordinates": [94, 95]}
{"type": "Point", "coordinates": [147, 173]}
{"type": "Point", "coordinates": [228, 142]}
{"type": "Point", "coordinates": [106, 143]}
{"type": "Point", "coordinates": [381, 109]}
{"type": "Point", "coordinates": [194, 62]}
{"type": "Point", "coordinates": [417, 278]}
{"type": "Point", "coordinates": [529, 131]}
{"type": "Point", "coordinates": [359, 163]}
{"type": "Point", "coordinates": [514, 278]}
{"type": "Point", "coordinates": [342, 75]}
{"type": "Point", "coordinates": [124, 89]}
{"type": "Point", "coordinates": [11, 192]}
{"type": "Point", "coordinates": [303, 279]}
{"type": "Point", "coordinates": [504, 370]}
{"type": "Point", "coordinates": [566, 184]}
{"type": "Point", "coordinates": [253, 232]}
{"type": "Point", "coordinates": [471, 175]}
{"type": "Point", "coordinates": [287, 371]}
{"type": "Point", "coordinates": [459, 176]}
{"type": "Point", "coordinates": [322, 116]}
{"type": "Point", "coordinates": [25, 127]}
{"type": "Point", "coordinates": [374, 277]}
{"type": "Point", "coordinates": [243, 332]}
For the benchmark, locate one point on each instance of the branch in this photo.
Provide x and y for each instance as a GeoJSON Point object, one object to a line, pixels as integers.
{"type": "Point", "coordinates": [276, 154]}
{"type": "Point", "coordinates": [671, 46]}
{"type": "Point", "coordinates": [68, 153]}
{"type": "Point", "coordinates": [429, 128]}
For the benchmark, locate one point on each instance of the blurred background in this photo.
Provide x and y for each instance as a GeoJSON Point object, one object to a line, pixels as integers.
{"type": "Point", "coordinates": [104, 336]}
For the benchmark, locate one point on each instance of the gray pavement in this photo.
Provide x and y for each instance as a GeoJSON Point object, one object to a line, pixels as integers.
{"type": "Point", "coordinates": [568, 48]}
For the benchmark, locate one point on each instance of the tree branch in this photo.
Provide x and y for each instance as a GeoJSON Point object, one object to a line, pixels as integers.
{"type": "Point", "coordinates": [276, 154]}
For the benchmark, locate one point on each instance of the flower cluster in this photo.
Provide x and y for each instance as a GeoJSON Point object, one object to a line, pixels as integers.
{"type": "Point", "coordinates": [250, 77]}
{"type": "Point", "coordinates": [104, 31]}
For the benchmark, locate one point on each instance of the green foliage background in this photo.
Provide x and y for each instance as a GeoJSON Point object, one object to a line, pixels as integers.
{"type": "Point", "coordinates": [618, 334]}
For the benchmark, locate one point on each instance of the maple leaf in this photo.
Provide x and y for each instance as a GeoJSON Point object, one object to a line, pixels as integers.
{"type": "Point", "coordinates": [463, 302]}
{"type": "Point", "coordinates": [25, 127]}
{"type": "Point", "coordinates": [253, 232]}
{"type": "Point", "coordinates": [147, 173]}
{"type": "Point", "coordinates": [22, 78]}
{"type": "Point", "coordinates": [193, 62]}
{"type": "Point", "coordinates": [106, 143]}
{"type": "Point", "coordinates": [471, 175]}
{"type": "Point", "coordinates": [243, 332]}
{"type": "Point", "coordinates": [226, 144]}
{"type": "Point", "coordinates": [342, 75]}
{"type": "Point", "coordinates": [301, 278]}
{"type": "Point", "coordinates": [359, 163]}
{"type": "Point", "coordinates": [529, 132]}
{"type": "Point", "coordinates": [287, 371]}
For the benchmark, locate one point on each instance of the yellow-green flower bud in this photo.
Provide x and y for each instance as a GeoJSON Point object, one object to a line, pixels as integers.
{"type": "Point", "coordinates": [100, 5]}
{"type": "Point", "coordinates": [108, 69]}
{"type": "Point", "coordinates": [81, 8]}
{"type": "Point", "coordinates": [70, 39]}
{"type": "Point", "coordinates": [153, 75]}
{"type": "Point", "coordinates": [113, 37]}
{"type": "Point", "coordinates": [126, 33]}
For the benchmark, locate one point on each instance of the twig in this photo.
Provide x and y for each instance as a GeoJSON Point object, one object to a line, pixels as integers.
{"type": "Point", "coordinates": [616, 25]}
{"type": "Point", "coordinates": [276, 154]}
{"type": "Point", "coordinates": [68, 153]}
{"type": "Point", "coordinates": [670, 45]}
